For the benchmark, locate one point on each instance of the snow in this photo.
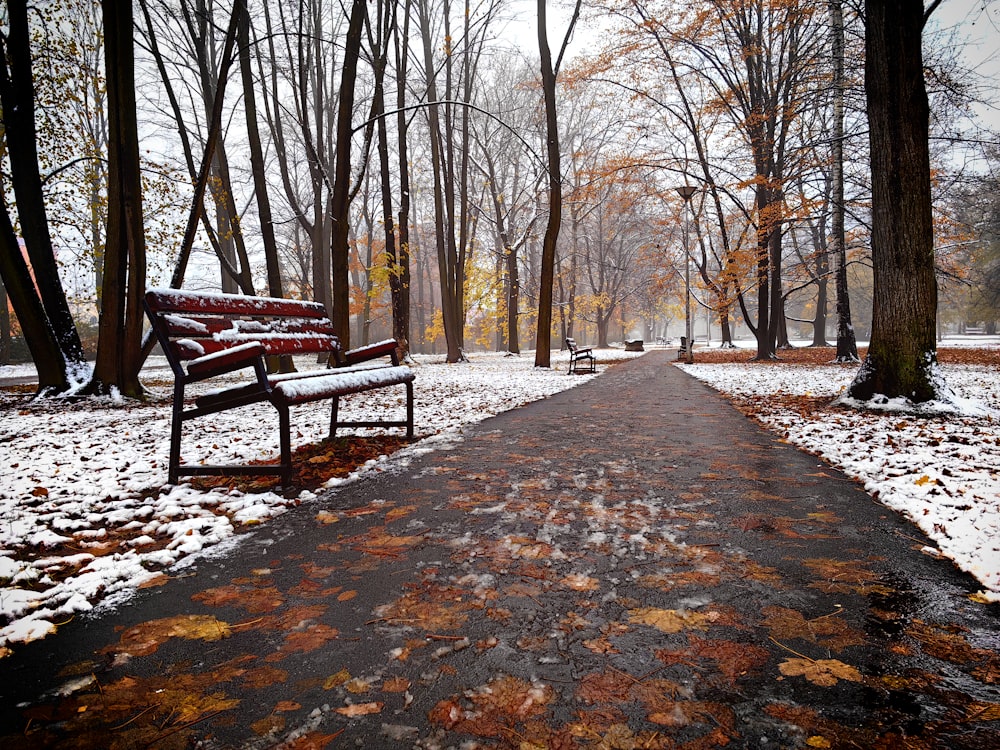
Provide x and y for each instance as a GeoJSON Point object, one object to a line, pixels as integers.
{"type": "Point", "coordinates": [939, 467]}
{"type": "Point", "coordinates": [342, 381]}
{"type": "Point", "coordinates": [86, 519]}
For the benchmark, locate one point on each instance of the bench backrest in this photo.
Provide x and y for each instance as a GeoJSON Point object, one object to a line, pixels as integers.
{"type": "Point", "coordinates": [571, 345]}
{"type": "Point", "coordinates": [192, 324]}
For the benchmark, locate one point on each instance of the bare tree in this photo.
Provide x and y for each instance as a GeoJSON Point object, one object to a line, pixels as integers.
{"type": "Point", "coordinates": [119, 345]}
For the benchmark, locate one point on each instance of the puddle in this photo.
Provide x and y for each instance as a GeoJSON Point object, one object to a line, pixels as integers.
{"type": "Point", "coordinates": [892, 604]}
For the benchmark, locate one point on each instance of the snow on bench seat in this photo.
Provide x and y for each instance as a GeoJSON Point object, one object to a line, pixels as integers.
{"type": "Point", "coordinates": [301, 390]}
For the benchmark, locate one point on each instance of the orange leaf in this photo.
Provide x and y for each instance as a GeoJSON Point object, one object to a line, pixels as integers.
{"type": "Point", "coordinates": [822, 672]}
{"type": "Point", "coordinates": [361, 709]}
{"type": "Point", "coordinates": [395, 685]}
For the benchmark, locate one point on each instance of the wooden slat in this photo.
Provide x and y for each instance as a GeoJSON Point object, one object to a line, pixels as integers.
{"type": "Point", "coordinates": [199, 326]}
{"type": "Point", "coordinates": [190, 348]}
{"type": "Point", "coordinates": [174, 300]}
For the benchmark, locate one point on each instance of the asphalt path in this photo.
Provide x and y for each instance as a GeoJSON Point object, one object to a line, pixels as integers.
{"type": "Point", "coordinates": [627, 564]}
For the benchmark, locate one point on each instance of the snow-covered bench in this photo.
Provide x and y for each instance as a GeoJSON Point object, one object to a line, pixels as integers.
{"type": "Point", "coordinates": [581, 359]}
{"type": "Point", "coordinates": [208, 335]}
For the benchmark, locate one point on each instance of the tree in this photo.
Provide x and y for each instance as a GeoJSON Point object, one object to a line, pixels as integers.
{"type": "Point", "coordinates": [17, 98]}
{"type": "Point", "coordinates": [543, 335]}
{"type": "Point", "coordinates": [38, 334]}
{"type": "Point", "coordinates": [119, 345]}
{"type": "Point", "coordinates": [847, 345]}
{"type": "Point", "coordinates": [902, 356]}
{"type": "Point", "coordinates": [341, 195]}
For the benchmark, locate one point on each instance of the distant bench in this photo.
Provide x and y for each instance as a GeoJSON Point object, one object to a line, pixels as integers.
{"type": "Point", "coordinates": [215, 334]}
{"type": "Point", "coordinates": [581, 359]}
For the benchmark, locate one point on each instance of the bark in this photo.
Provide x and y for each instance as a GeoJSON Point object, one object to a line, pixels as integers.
{"type": "Point", "coordinates": [119, 345]}
{"type": "Point", "coordinates": [902, 356]}
{"type": "Point", "coordinates": [442, 224]}
{"type": "Point", "coordinates": [379, 43]}
{"type": "Point", "coordinates": [341, 198]}
{"type": "Point", "coordinates": [543, 336]}
{"type": "Point", "coordinates": [257, 168]}
{"type": "Point", "coordinates": [400, 283]}
{"type": "Point", "coordinates": [847, 345]}
{"type": "Point", "coordinates": [38, 334]}
{"type": "Point", "coordinates": [5, 341]}
{"type": "Point", "coordinates": [17, 98]}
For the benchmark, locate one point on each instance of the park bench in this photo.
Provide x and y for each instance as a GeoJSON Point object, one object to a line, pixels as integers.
{"type": "Point", "coordinates": [580, 360]}
{"type": "Point", "coordinates": [204, 336]}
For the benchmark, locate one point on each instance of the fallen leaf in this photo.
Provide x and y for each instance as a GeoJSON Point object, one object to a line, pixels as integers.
{"type": "Point", "coordinates": [395, 685]}
{"type": "Point", "coordinates": [264, 676]}
{"type": "Point", "coordinates": [357, 686]}
{"type": "Point", "coordinates": [361, 709]}
{"type": "Point", "coordinates": [147, 637]}
{"type": "Point", "coordinates": [822, 672]}
{"type": "Point", "coordinates": [672, 620]}
{"type": "Point", "coordinates": [580, 582]}
{"type": "Point", "coordinates": [336, 680]}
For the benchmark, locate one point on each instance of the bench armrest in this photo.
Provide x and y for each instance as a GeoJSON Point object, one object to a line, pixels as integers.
{"type": "Point", "coordinates": [367, 353]}
{"type": "Point", "coordinates": [226, 360]}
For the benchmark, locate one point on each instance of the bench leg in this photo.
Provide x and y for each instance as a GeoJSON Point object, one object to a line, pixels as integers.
{"type": "Point", "coordinates": [284, 429]}
{"type": "Point", "coordinates": [334, 407]}
{"type": "Point", "coordinates": [176, 421]}
{"type": "Point", "coordinates": [409, 408]}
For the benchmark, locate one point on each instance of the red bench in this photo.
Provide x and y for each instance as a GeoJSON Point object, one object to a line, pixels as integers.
{"type": "Point", "coordinates": [207, 335]}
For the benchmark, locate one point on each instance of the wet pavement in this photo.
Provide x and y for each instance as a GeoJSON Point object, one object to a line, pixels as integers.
{"type": "Point", "coordinates": [627, 564]}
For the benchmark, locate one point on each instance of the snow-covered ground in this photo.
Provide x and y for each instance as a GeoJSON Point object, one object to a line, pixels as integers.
{"type": "Point", "coordinates": [941, 472]}
{"type": "Point", "coordinates": [85, 519]}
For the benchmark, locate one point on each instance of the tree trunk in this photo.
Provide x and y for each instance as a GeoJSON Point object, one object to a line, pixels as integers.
{"type": "Point", "coordinates": [380, 46]}
{"type": "Point", "coordinates": [271, 260]}
{"type": "Point", "coordinates": [847, 345]}
{"type": "Point", "coordinates": [400, 288]}
{"type": "Point", "coordinates": [341, 197]}
{"type": "Point", "coordinates": [119, 344]}
{"type": "Point", "coordinates": [4, 326]}
{"type": "Point", "coordinates": [17, 98]}
{"type": "Point", "coordinates": [38, 334]}
{"type": "Point", "coordinates": [442, 224]}
{"type": "Point", "coordinates": [902, 355]}
{"type": "Point", "coordinates": [543, 336]}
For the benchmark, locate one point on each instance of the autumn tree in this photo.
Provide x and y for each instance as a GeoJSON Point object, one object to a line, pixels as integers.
{"type": "Point", "coordinates": [17, 98]}
{"type": "Point", "coordinates": [744, 67]}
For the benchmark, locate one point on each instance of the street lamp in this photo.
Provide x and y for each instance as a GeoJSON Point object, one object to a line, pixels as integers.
{"type": "Point", "coordinates": [686, 192]}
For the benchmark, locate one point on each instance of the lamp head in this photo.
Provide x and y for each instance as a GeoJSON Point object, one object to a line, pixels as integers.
{"type": "Point", "coordinates": [686, 191]}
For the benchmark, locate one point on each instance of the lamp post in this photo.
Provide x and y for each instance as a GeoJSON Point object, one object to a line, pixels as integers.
{"type": "Point", "coordinates": [686, 192]}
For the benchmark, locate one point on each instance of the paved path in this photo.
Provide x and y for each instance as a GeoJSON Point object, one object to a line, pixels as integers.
{"type": "Point", "coordinates": [628, 564]}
